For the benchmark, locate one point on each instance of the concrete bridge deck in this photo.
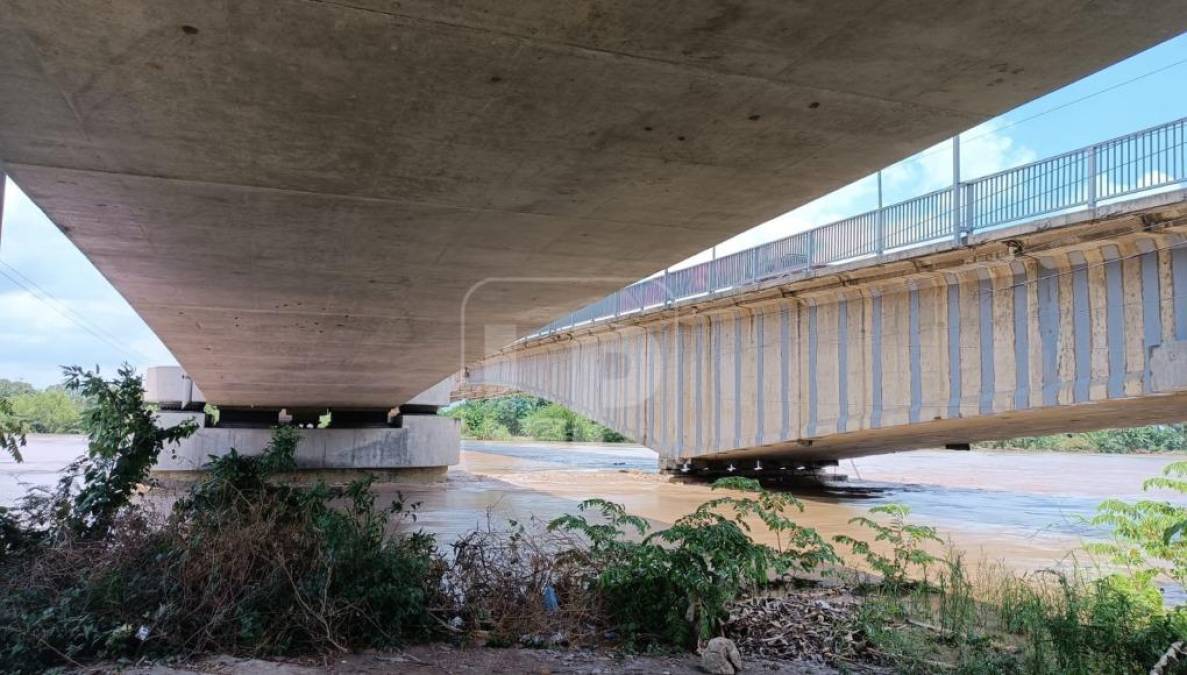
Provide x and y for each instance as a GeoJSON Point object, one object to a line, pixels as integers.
{"type": "Point", "coordinates": [298, 195]}
{"type": "Point", "coordinates": [1072, 322]}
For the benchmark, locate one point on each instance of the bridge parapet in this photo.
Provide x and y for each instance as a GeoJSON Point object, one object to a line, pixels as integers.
{"type": "Point", "coordinates": [1147, 160]}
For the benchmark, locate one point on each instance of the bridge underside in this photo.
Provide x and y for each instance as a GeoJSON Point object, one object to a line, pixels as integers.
{"type": "Point", "coordinates": [1077, 322]}
{"type": "Point", "coordinates": [311, 203]}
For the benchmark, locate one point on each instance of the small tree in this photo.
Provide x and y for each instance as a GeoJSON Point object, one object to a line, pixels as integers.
{"type": "Point", "coordinates": [124, 444]}
{"type": "Point", "coordinates": [905, 539]}
{"type": "Point", "coordinates": [1148, 534]}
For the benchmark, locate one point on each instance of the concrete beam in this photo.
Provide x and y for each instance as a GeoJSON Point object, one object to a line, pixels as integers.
{"type": "Point", "coordinates": [1064, 324]}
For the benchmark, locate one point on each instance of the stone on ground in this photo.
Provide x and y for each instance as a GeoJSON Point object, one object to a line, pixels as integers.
{"type": "Point", "coordinates": [721, 657]}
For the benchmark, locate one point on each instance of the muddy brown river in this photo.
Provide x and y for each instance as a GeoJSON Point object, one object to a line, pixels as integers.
{"type": "Point", "coordinates": [1026, 510]}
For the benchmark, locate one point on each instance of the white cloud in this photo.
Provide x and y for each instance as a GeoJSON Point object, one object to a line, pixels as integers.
{"type": "Point", "coordinates": [22, 313]}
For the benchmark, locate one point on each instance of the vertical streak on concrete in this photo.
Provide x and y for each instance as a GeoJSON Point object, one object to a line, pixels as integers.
{"type": "Point", "coordinates": [784, 372]}
{"type": "Point", "coordinates": [842, 365]}
{"type": "Point", "coordinates": [1151, 314]}
{"type": "Point", "coordinates": [876, 359]}
{"type": "Point", "coordinates": [1179, 288]}
{"type": "Point", "coordinates": [985, 319]}
{"type": "Point", "coordinates": [650, 391]}
{"type": "Point", "coordinates": [570, 375]}
{"type": "Point", "coordinates": [759, 326]}
{"type": "Point", "coordinates": [1115, 307]}
{"type": "Point", "coordinates": [1021, 339]}
{"type": "Point", "coordinates": [913, 353]}
{"type": "Point", "coordinates": [679, 430]}
{"type": "Point", "coordinates": [699, 385]}
{"type": "Point", "coordinates": [639, 384]}
{"type": "Point", "coordinates": [665, 398]}
{"type": "Point", "coordinates": [954, 382]}
{"type": "Point", "coordinates": [577, 363]}
{"type": "Point", "coordinates": [811, 370]}
{"type": "Point", "coordinates": [1082, 326]}
{"type": "Point", "coordinates": [716, 346]}
{"type": "Point", "coordinates": [1049, 330]}
{"type": "Point", "coordinates": [737, 381]}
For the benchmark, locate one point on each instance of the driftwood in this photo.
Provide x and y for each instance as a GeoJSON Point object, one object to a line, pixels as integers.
{"type": "Point", "coordinates": [812, 625]}
{"type": "Point", "coordinates": [1172, 654]}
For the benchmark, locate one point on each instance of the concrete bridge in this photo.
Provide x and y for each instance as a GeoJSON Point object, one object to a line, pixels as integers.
{"type": "Point", "coordinates": [300, 197]}
{"type": "Point", "coordinates": [1069, 322]}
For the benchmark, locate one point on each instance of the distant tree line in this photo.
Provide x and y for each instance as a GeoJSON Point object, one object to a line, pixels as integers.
{"type": "Point", "coordinates": [52, 410]}
{"type": "Point", "coordinates": [1154, 438]}
{"type": "Point", "coordinates": [519, 416]}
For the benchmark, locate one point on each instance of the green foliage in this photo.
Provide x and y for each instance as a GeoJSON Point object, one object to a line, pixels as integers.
{"type": "Point", "coordinates": [53, 410]}
{"type": "Point", "coordinates": [673, 586]}
{"type": "Point", "coordinates": [124, 442]}
{"type": "Point", "coordinates": [242, 566]}
{"type": "Point", "coordinates": [1155, 438]}
{"type": "Point", "coordinates": [11, 388]}
{"type": "Point", "coordinates": [508, 417]}
{"type": "Point", "coordinates": [1148, 534]}
{"type": "Point", "coordinates": [12, 432]}
{"type": "Point", "coordinates": [905, 539]}
{"type": "Point", "coordinates": [1048, 624]}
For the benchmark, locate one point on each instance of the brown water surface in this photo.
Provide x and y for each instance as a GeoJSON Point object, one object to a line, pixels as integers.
{"type": "Point", "coordinates": [1025, 509]}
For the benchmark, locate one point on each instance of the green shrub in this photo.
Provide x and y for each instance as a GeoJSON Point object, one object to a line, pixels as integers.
{"type": "Point", "coordinates": [1148, 534]}
{"type": "Point", "coordinates": [123, 444]}
{"type": "Point", "coordinates": [242, 565]}
{"type": "Point", "coordinates": [673, 586]}
{"type": "Point", "coordinates": [905, 539]}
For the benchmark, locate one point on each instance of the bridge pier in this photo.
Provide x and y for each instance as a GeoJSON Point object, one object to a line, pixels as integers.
{"type": "Point", "coordinates": [416, 444]}
{"type": "Point", "coordinates": [770, 471]}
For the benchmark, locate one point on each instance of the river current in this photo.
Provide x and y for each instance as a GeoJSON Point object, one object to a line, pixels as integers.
{"type": "Point", "coordinates": [1026, 510]}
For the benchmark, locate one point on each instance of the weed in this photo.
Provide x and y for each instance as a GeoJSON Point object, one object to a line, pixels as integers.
{"type": "Point", "coordinates": [673, 586]}
{"type": "Point", "coordinates": [905, 539]}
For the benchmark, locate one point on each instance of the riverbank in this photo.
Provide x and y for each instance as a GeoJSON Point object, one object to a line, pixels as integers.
{"type": "Point", "coordinates": [438, 658]}
{"type": "Point", "coordinates": [488, 571]}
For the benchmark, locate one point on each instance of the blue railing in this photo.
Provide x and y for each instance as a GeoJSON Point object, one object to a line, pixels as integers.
{"type": "Point", "coordinates": [1146, 160]}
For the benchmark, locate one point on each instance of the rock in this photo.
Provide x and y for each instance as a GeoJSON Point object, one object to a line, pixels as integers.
{"type": "Point", "coordinates": [721, 657]}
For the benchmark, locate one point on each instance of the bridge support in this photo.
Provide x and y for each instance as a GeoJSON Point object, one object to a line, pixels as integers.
{"type": "Point", "coordinates": [415, 445]}
{"type": "Point", "coordinates": [769, 471]}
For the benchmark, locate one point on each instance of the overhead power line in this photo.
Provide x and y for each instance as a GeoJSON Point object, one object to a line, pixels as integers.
{"type": "Point", "coordinates": [65, 312]}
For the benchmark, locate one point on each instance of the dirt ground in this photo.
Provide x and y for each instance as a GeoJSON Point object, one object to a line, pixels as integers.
{"type": "Point", "coordinates": [438, 659]}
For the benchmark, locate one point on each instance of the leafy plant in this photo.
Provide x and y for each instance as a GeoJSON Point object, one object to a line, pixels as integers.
{"type": "Point", "coordinates": [905, 539]}
{"type": "Point", "coordinates": [124, 442]}
{"type": "Point", "coordinates": [12, 431]}
{"type": "Point", "coordinates": [673, 586]}
{"type": "Point", "coordinates": [1148, 534]}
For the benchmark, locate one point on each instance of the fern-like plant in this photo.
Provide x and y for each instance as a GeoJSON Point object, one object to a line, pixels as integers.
{"type": "Point", "coordinates": [906, 541]}
{"type": "Point", "coordinates": [1148, 535]}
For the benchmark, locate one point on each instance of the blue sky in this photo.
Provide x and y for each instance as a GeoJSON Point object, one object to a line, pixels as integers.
{"type": "Point", "coordinates": [63, 311]}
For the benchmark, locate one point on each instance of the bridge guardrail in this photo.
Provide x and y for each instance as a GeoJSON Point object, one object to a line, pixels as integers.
{"type": "Point", "coordinates": [1142, 161]}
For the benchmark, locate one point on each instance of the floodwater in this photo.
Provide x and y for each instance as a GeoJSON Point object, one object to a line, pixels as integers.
{"type": "Point", "coordinates": [1026, 510]}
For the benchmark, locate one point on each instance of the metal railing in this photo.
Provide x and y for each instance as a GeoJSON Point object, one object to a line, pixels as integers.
{"type": "Point", "coordinates": [1146, 160]}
